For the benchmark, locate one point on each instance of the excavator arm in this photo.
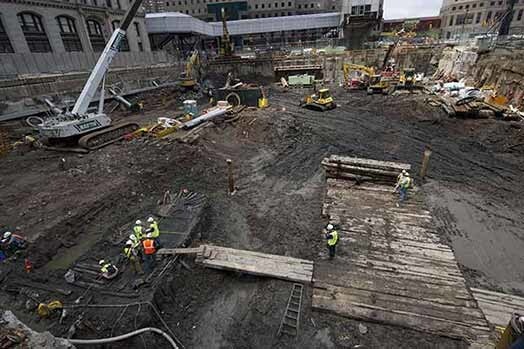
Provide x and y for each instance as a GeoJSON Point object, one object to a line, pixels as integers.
{"type": "Point", "coordinates": [104, 61]}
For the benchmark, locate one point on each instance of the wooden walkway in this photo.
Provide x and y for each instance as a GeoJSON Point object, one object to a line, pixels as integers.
{"type": "Point", "coordinates": [255, 263]}
{"type": "Point", "coordinates": [498, 307]}
{"type": "Point", "coordinates": [391, 267]}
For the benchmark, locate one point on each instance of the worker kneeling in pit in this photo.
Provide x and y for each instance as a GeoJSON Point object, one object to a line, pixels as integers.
{"type": "Point", "coordinates": [108, 269]}
{"type": "Point", "coordinates": [13, 242]}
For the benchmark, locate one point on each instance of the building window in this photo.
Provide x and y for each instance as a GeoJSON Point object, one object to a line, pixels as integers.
{"type": "Point", "coordinates": [276, 4]}
{"type": "Point", "coordinates": [519, 16]}
{"type": "Point", "coordinates": [69, 34]}
{"type": "Point", "coordinates": [481, 4]}
{"type": "Point", "coordinates": [479, 16]}
{"type": "Point", "coordinates": [5, 44]}
{"type": "Point", "coordinates": [109, 3]}
{"type": "Point", "coordinates": [451, 20]}
{"type": "Point", "coordinates": [118, 4]}
{"type": "Point", "coordinates": [94, 30]}
{"type": "Point", "coordinates": [140, 47]}
{"type": "Point", "coordinates": [34, 32]}
{"type": "Point", "coordinates": [95, 2]}
{"type": "Point", "coordinates": [124, 44]}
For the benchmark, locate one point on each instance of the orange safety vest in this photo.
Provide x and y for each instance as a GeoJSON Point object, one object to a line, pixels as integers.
{"type": "Point", "coordinates": [149, 246]}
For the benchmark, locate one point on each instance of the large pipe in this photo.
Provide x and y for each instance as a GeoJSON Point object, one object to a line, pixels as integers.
{"type": "Point", "coordinates": [123, 336]}
{"type": "Point", "coordinates": [207, 116]}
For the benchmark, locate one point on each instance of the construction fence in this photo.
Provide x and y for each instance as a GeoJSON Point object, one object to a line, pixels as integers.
{"type": "Point", "coordinates": [17, 65]}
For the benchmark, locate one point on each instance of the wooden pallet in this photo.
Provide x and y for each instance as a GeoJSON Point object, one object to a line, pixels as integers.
{"type": "Point", "coordinates": [498, 307]}
{"type": "Point", "coordinates": [392, 267]}
{"type": "Point", "coordinates": [256, 263]}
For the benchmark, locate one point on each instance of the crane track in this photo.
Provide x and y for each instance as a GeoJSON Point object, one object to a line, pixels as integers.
{"type": "Point", "coordinates": [106, 136]}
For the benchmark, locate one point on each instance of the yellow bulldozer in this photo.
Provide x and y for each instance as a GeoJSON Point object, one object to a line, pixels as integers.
{"type": "Point", "coordinates": [320, 101]}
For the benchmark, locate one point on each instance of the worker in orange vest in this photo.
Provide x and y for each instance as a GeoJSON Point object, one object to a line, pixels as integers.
{"type": "Point", "coordinates": [150, 246]}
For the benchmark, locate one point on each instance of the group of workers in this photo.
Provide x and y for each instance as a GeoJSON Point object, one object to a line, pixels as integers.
{"type": "Point", "coordinates": [141, 247]}
{"type": "Point", "coordinates": [11, 243]}
{"type": "Point", "coordinates": [404, 182]}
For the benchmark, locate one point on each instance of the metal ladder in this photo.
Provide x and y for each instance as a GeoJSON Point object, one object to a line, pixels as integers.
{"type": "Point", "coordinates": [291, 320]}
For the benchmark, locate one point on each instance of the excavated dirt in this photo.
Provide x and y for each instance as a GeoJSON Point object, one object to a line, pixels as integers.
{"type": "Point", "coordinates": [474, 187]}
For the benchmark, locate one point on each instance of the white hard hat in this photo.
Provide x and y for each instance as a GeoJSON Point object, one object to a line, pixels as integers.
{"type": "Point", "coordinates": [101, 261]}
{"type": "Point", "coordinates": [150, 220]}
{"type": "Point", "coordinates": [330, 227]}
{"type": "Point", "coordinates": [148, 235]}
{"type": "Point", "coordinates": [132, 238]}
{"type": "Point", "coordinates": [138, 222]}
{"type": "Point", "coordinates": [407, 174]}
{"type": "Point", "coordinates": [7, 234]}
{"type": "Point", "coordinates": [129, 242]}
{"type": "Point", "coordinates": [404, 172]}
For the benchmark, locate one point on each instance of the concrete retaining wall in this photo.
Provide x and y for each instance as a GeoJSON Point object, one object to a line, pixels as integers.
{"type": "Point", "coordinates": [20, 64]}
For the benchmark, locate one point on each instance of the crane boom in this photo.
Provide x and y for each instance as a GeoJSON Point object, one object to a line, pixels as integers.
{"type": "Point", "coordinates": [104, 61]}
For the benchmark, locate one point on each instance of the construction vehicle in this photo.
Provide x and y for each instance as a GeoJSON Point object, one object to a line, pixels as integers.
{"type": "Point", "coordinates": [378, 84]}
{"type": "Point", "coordinates": [321, 101]}
{"type": "Point", "coordinates": [94, 129]}
{"type": "Point", "coordinates": [361, 82]}
{"type": "Point", "coordinates": [188, 77]}
{"type": "Point", "coordinates": [407, 79]}
{"type": "Point", "coordinates": [226, 47]}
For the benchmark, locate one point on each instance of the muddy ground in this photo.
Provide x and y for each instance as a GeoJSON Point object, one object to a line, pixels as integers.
{"type": "Point", "coordinates": [474, 186]}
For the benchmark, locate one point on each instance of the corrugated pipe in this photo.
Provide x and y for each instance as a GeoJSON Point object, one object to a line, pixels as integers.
{"type": "Point", "coordinates": [124, 336]}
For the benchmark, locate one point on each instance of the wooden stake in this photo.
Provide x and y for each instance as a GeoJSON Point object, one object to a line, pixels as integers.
{"type": "Point", "coordinates": [425, 162]}
{"type": "Point", "coordinates": [230, 175]}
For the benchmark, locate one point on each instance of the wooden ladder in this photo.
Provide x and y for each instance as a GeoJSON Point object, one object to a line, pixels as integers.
{"type": "Point", "coordinates": [291, 320]}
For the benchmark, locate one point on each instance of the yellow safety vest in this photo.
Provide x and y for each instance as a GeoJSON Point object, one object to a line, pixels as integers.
{"type": "Point", "coordinates": [155, 233]}
{"type": "Point", "coordinates": [138, 232]}
{"type": "Point", "coordinates": [104, 268]}
{"type": "Point", "coordinates": [334, 238]}
{"type": "Point", "coordinates": [127, 252]}
{"type": "Point", "coordinates": [406, 182]}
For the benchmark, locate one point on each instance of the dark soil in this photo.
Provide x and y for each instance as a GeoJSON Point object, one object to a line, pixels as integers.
{"type": "Point", "coordinates": [69, 213]}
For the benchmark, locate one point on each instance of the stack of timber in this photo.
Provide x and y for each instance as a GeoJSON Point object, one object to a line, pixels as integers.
{"type": "Point", "coordinates": [392, 266]}
{"type": "Point", "coordinates": [498, 307]}
{"type": "Point", "coordinates": [363, 170]}
{"type": "Point", "coordinates": [256, 263]}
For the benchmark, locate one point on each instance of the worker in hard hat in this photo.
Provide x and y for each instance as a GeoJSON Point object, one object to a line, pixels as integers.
{"type": "Point", "coordinates": [149, 246]}
{"type": "Point", "coordinates": [399, 179]}
{"type": "Point", "coordinates": [13, 242]}
{"type": "Point", "coordinates": [332, 240]}
{"type": "Point", "coordinates": [131, 253]}
{"type": "Point", "coordinates": [153, 229]}
{"type": "Point", "coordinates": [405, 183]}
{"type": "Point", "coordinates": [138, 230]}
{"type": "Point", "coordinates": [108, 269]}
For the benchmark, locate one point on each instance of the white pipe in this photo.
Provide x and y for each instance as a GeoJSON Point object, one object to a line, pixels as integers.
{"type": "Point", "coordinates": [124, 336]}
{"type": "Point", "coordinates": [213, 113]}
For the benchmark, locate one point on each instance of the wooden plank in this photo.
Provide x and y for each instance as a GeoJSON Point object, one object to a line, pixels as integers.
{"type": "Point", "coordinates": [498, 306]}
{"type": "Point", "coordinates": [421, 322]}
{"type": "Point", "coordinates": [390, 282]}
{"type": "Point", "coordinates": [259, 254]}
{"type": "Point", "coordinates": [251, 269]}
{"type": "Point", "coordinates": [183, 251]}
{"type": "Point", "coordinates": [466, 315]}
{"type": "Point", "coordinates": [385, 165]}
{"type": "Point", "coordinates": [282, 267]}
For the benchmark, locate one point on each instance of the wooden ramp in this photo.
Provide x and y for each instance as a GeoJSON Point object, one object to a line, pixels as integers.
{"type": "Point", "coordinates": [255, 263]}
{"type": "Point", "coordinates": [498, 307]}
{"type": "Point", "coordinates": [391, 267]}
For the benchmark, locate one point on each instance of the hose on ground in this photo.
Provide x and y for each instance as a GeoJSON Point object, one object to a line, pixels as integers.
{"type": "Point", "coordinates": [123, 336]}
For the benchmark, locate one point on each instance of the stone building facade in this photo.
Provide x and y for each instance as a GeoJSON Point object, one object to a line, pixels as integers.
{"type": "Point", "coordinates": [462, 19]}
{"type": "Point", "coordinates": [57, 26]}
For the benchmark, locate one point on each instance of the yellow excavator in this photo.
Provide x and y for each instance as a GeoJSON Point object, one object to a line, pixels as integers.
{"type": "Point", "coordinates": [407, 78]}
{"type": "Point", "coordinates": [360, 83]}
{"type": "Point", "coordinates": [188, 77]}
{"type": "Point", "coordinates": [321, 101]}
